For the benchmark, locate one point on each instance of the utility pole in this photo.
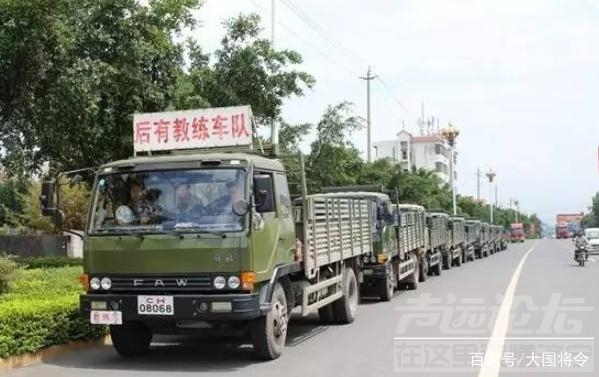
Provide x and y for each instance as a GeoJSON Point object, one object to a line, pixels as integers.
{"type": "Point", "coordinates": [478, 184]}
{"type": "Point", "coordinates": [272, 23]}
{"type": "Point", "coordinates": [368, 78]}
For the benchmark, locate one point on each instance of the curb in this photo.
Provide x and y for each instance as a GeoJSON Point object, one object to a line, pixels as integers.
{"type": "Point", "coordinates": [28, 359]}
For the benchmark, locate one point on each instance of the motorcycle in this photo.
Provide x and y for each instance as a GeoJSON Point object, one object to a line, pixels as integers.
{"type": "Point", "coordinates": [581, 255]}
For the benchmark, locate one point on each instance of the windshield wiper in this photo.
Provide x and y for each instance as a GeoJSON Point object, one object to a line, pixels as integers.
{"type": "Point", "coordinates": [199, 229]}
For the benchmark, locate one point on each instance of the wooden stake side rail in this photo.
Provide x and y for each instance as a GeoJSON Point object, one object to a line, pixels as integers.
{"type": "Point", "coordinates": [335, 229]}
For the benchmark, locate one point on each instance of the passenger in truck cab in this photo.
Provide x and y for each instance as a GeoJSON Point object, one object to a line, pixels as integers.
{"type": "Point", "coordinates": [187, 205]}
{"type": "Point", "coordinates": [143, 209]}
{"type": "Point", "coordinates": [233, 195]}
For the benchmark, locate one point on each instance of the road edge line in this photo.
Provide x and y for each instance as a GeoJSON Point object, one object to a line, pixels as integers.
{"type": "Point", "coordinates": [492, 361]}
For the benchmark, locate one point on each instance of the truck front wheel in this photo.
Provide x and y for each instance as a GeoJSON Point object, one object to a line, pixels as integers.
{"type": "Point", "coordinates": [269, 332]}
{"type": "Point", "coordinates": [131, 339]}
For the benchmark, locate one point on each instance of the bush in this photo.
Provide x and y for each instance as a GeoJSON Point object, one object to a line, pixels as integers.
{"type": "Point", "coordinates": [28, 326]}
{"type": "Point", "coordinates": [7, 269]}
{"type": "Point", "coordinates": [41, 310]}
{"type": "Point", "coordinates": [47, 262]}
{"type": "Point", "coordinates": [42, 282]}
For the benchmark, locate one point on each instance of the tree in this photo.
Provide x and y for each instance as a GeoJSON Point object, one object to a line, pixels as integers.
{"type": "Point", "coordinates": [591, 220]}
{"type": "Point", "coordinates": [246, 71]}
{"type": "Point", "coordinates": [73, 73]}
{"type": "Point", "coordinates": [74, 203]}
{"type": "Point", "coordinates": [333, 160]}
{"type": "Point", "coordinates": [11, 199]}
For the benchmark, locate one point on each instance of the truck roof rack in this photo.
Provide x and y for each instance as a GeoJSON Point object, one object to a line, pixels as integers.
{"type": "Point", "coordinates": [353, 188]}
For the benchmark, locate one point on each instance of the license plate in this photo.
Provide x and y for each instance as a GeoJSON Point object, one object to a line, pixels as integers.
{"type": "Point", "coordinates": [367, 272]}
{"type": "Point", "coordinates": [105, 317]}
{"type": "Point", "coordinates": [155, 305]}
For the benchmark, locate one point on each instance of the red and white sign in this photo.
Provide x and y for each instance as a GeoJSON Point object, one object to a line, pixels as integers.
{"type": "Point", "coordinates": [193, 129]}
{"type": "Point", "coordinates": [105, 317]}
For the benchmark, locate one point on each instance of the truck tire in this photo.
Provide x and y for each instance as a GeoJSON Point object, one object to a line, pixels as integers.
{"type": "Point", "coordinates": [344, 309]}
{"type": "Point", "coordinates": [423, 266]}
{"type": "Point", "coordinates": [447, 260]}
{"type": "Point", "coordinates": [326, 314]}
{"type": "Point", "coordinates": [386, 287]}
{"type": "Point", "coordinates": [269, 332]}
{"type": "Point", "coordinates": [458, 260]}
{"type": "Point", "coordinates": [436, 269]}
{"type": "Point", "coordinates": [411, 281]}
{"type": "Point", "coordinates": [131, 339]}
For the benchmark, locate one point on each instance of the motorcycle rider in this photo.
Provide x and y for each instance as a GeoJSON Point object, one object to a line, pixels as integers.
{"type": "Point", "coordinates": [579, 242]}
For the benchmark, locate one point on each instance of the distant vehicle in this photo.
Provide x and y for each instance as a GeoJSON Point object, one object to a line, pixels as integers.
{"type": "Point", "coordinates": [517, 232]}
{"type": "Point", "coordinates": [568, 224]}
{"type": "Point", "coordinates": [592, 235]}
{"type": "Point", "coordinates": [562, 231]}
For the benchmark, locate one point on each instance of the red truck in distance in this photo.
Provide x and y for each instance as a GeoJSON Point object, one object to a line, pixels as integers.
{"type": "Point", "coordinates": [517, 232]}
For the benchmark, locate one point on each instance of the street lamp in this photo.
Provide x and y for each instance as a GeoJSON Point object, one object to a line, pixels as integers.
{"type": "Point", "coordinates": [491, 175]}
{"type": "Point", "coordinates": [450, 134]}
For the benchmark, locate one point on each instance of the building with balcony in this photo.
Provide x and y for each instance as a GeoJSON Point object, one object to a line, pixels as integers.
{"type": "Point", "coordinates": [421, 152]}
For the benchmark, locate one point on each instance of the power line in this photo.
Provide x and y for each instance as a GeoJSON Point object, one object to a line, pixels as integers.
{"type": "Point", "coordinates": [322, 32]}
{"type": "Point", "coordinates": [388, 88]}
{"type": "Point", "coordinates": [309, 44]}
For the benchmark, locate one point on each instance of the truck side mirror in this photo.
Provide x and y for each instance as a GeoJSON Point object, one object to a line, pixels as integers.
{"type": "Point", "coordinates": [47, 198]}
{"type": "Point", "coordinates": [263, 198]}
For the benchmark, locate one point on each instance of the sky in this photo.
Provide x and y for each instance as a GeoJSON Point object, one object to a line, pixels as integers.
{"type": "Point", "coordinates": [518, 78]}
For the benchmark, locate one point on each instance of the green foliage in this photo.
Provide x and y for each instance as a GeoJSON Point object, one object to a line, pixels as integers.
{"type": "Point", "coordinates": [73, 73]}
{"type": "Point", "coordinates": [30, 325]}
{"type": "Point", "coordinates": [74, 202]}
{"type": "Point", "coordinates": [7, 269]}
{"type": "Point", "coordinates": [246, 70]}
{"type": "Point", "coordinates": [11, 198]}
{"type": "Point", "coordinates": [591, 220]}
{"type": "Point", "coordinates": [42, 309]}
{"type": "Point", "coordinates": [47, 262]}
{"type": "Point", "coordinates": [44, 282]}
{"type": "Point", "coordinates": [333, 160]}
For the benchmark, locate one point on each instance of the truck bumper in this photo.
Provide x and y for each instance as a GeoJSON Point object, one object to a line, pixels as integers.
{"type": "Point", "coordinates": [374, 272]}
{"type": "Point", "coordinates": [226, 307]}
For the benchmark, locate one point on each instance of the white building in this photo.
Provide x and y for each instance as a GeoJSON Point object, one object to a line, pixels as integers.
{"type": "Point", "coordinates": [421, 152]}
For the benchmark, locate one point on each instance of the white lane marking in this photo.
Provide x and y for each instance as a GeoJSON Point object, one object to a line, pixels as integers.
{"type": "Point", "coordinates": [492, 361]}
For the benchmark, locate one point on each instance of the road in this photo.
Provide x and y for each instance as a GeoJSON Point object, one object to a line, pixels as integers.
{"type": "Point", "coordinates": [463, 311]}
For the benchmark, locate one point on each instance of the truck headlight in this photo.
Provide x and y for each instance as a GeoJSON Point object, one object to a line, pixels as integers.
{"type": "Point", "coordinates": [372, 259]}
{"type": "Point", "coordinates": [220, 282]}
{"type": "Point", "coordinates": [233, 282]}
{"type": "Point", "coordinates": [366, 259]}
{"type": "Point", "coordinates": [94, 283]}
{"type": "Point", "coordinates": [106, 283]}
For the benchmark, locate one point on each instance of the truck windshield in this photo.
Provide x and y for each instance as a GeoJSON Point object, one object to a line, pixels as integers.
{"type": "Point", "coordinates": [169, 200]}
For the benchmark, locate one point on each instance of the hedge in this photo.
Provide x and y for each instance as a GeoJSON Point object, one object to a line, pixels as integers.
{"type": "Point", "coordinates": [7, 269]}
{"type": "Point", "coordinates": [47, 262]}
{"type": "Point", "coordinates": [41, 310]}
{"type": "Point", "coordinates": [29, 326]}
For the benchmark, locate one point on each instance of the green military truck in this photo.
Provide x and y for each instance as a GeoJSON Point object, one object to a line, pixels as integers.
{"type": "Point", "coordinates": [412, 234]}
{"type": "Point", "coordinates": [486, 239]}
{"type": "Point", "coordinates": [474, 237]}
{"type": "Point", "coordinates": [381, 268]}
{"type": "Point", "coordinates": [437, 241]}
{"type": "Point", "coordinates": [195, 234]}
{"type": "Point", "coordinates": [459, 251]}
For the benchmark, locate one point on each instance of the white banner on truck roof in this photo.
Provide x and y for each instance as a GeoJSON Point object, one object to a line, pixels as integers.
{"type": "Point", "coordinates": [193, 129]}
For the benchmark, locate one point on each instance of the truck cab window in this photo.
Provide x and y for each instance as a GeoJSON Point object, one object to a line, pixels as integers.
{"type": "Point", "coordinates": [264, 193]}
{"type": "Point", "coordinates": [283, 194]}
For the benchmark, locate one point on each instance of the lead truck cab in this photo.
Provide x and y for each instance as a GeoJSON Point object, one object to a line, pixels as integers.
{"type": "Point", "coordinates": [198, 231]}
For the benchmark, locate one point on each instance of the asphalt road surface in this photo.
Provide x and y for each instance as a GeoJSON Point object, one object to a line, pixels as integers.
{"type": "Point", "coordinates": [531, 306]}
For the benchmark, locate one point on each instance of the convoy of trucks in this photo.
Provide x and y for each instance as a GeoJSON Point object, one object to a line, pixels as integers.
{"type": "Point", "coordinates": [192, 235]}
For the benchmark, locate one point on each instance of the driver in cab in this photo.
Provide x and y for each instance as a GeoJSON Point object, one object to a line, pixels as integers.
{"type": "Point", "coordinates": [187, 205]}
